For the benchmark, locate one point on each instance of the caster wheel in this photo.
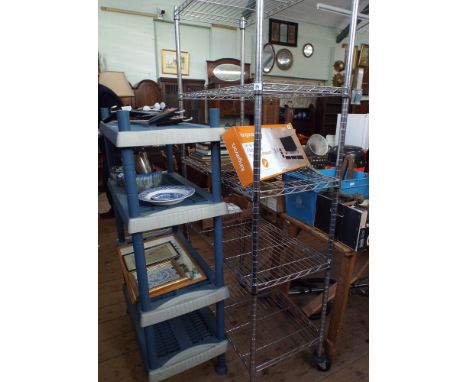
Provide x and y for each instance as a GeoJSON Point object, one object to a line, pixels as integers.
{"type": "Point", "coordinates": [321, 363]}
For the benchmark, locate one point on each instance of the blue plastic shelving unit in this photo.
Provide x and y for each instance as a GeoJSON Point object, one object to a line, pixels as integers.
{"type": "Point", "coordinates": [175, 331]}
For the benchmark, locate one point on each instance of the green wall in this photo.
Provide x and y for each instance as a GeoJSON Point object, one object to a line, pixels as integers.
{"type": "Point", "coordinates": [132, 44]}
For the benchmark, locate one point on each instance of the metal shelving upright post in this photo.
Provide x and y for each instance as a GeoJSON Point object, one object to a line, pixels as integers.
{"type": "Point", "coordinates": [319, 356]}
{"type": "Point", "coordinates": [272, 260]}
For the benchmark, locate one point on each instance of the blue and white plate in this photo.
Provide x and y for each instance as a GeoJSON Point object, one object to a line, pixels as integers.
{"type": "Point", "coordinates": [166, 195]}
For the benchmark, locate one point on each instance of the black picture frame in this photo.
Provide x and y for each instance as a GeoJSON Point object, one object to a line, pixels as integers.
{"type": "Point", "coordinates": [283, 32]}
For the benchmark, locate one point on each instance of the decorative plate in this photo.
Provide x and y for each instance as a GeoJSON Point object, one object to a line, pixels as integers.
{"type": "Point", "coordinates": [284, 59]}
{"type": "Point", "coordinates": [339, 66]}
{"type": "Point", "coordinates": [166, 195]}
{"type": "Point", "coordinates": [338, 79]}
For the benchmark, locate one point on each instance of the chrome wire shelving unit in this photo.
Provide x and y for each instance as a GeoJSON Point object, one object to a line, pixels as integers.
{"type": "Point", "coordinates": [267, 328]}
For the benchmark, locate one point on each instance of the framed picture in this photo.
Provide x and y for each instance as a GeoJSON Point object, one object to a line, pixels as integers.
{"type": "Point", "coordinates": [355, 55]}
{"type": "Point", "coordinates": [283, 33]}
{"type": "Point", "coordinates": [169, 266]}
{"type": "Point", "coordinates": [364, 55]}
{"type": "Point", "coordinates": [169, 62]}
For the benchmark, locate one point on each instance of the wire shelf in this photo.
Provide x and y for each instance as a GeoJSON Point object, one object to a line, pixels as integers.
{"type": "Point", "coordinates": [282, 329]}
{"type": "Point", "coordinates": [229, 12]}
{"type": "Point", "coordinates": [204, 166]}
{"type": "Point", "coordinates": [307, 179]}
{"type": "Point", "coordinates": [270, 90]}
{"type": "Point", "coordinates": [311, 180]}
{"type": "Point", "coordinates": [280, 258]}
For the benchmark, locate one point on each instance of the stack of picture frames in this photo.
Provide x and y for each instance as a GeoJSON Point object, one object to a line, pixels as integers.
{"type": "Point", "coordinates": [168, 264]}
{"type": "Point", "coordinates": [361, 60]}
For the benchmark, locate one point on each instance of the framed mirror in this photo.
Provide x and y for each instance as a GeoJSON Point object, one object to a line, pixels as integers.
{"type": "Point", "coordinates": [308, 50]}
{"type": "Point", "coordinates": [227, 72]}
{"type": "Point", "coordinates": [284, 59]}
{"type": "Point", "coordinates": [268, 58]}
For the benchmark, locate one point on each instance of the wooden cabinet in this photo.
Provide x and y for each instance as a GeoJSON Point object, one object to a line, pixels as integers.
{"type": "Point", "coordinates": [193, 108]}
{"type": "Point", "coordinates": [270, 110]}
{"type": "Point", "coordinates": [363, 108]}
{"type": "Point", "coordinates": [328, 109]}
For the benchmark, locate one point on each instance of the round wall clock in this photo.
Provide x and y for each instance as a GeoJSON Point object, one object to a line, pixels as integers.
{"type": "Point", "coordinates": [308, 50]}
{"type": "Point", "coordinates": [284, 59]}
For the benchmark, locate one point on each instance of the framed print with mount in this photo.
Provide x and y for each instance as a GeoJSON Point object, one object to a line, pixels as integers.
{"type": "Point", "coordinates": [364, 55]}
{"type": "Point", "coordinates": [355, 55]}
{"type": "Point", "coordinates": [283, 33]}
{"type": "Point", "coordinates": [169, 62]}
{"type": "Point", "coordinates": [169, 266]}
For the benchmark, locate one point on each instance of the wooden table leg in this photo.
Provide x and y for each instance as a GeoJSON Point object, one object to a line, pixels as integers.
{"type": "Point", "coordinates": [341, 301]}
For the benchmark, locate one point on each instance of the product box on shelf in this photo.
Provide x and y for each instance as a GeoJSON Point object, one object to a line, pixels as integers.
{"type": "Point", "coordinates": [168, 264]}
{"type": "Point", "coordinates": [352, 222]}
{"type": "Point", "coordinates": [281, 151]}
{"type": "Point", "coordinates": [302, 205]}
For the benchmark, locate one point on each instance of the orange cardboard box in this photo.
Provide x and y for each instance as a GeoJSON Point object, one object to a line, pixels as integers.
{"type": "Point", "coordinates": [281, 151]}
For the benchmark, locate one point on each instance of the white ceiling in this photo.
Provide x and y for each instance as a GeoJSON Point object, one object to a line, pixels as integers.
{"type": "Point", "coordinates": [306, 11]}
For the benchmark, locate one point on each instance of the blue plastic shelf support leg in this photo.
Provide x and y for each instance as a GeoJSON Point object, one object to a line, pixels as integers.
{"type": "Point", "coordinates": [170, 158]}
{"type": "Point", "coordinates": [120, 228]}
{"type": "Point", "coordinates": [218, 237]}
{"type": "Point", "coordinates": [110, 162]}
{"type": "Point", "coordinates": [123, 118]}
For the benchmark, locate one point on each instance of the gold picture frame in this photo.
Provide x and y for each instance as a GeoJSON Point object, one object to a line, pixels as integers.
{"type": "Point", "coordinates": [363, 55]}
{"type": "Point", "coordinates": [355, 55]}
{"type": "Point", "coordinates": [175, 259]}
{"type": "Point", "coordinates": [169, 62]}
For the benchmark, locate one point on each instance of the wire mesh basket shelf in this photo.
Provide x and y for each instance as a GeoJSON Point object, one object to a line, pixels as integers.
{"type": "Point", "coordinates": [308, 179]}
{"type": "Point", "coordinates": [229, 12]}
{"type": "Point", "coordinates": [280, 258]}
{"type": "Point", "coordinates": [270, 90]}
{"type": "Point", "coordinates": [282, 328]}
{"type": "Point", "coordinates": [204, 166]}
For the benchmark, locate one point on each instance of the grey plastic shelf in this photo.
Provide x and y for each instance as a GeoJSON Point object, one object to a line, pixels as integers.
{"type": "Point", "coordinates": [170, 307]}
{"type": "Point", "coordinates": [181, 343]}
{"type": "Point", "coordinates": [197, 207]}
{"type": "Point", "coordinates": [157, 136]}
